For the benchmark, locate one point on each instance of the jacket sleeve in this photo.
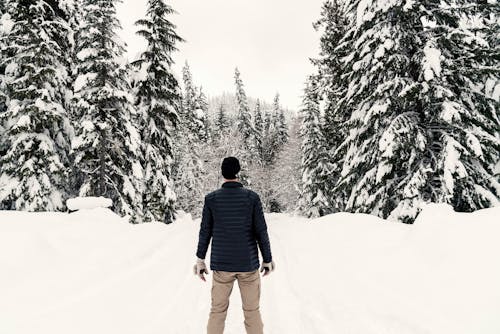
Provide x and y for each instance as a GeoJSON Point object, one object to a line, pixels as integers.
{"type": "Point", "coordinates": [206, 229]}
{"type": "Point", "coordinates": [260, 228]}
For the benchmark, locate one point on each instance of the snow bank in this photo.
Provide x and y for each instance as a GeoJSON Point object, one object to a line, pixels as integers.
{"type": "Point", "coordinates": [86, 203]}
{"type": "Point", "coordinates": [91, 272]}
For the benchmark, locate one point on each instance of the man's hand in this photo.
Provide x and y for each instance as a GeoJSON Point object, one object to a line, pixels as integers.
{"type": "Point", "coordinates": [200, 269]}
{"type": "Point", "coordinates": [267, 268]}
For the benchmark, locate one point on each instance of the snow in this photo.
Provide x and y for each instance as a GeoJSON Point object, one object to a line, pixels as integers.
{"type": "Point", "coordinates": [23, 121]}
{"type": "Point", "coordinates": [367, 8]}
{"type": "Point", "coordinates": [387, 143]}
{"type": "Point", "coordinates": [408, 5]}
{"type": "Point", "coordinates": [450, 111]}
{"type": "Point", "coordinates": [83, 80]}
{"type": "Point", "coordinates": [432, 62]}
{"type": "Point", "coordinates": [86, 203]}
{"type": "Point", "coordinates": [86, 53]}
{"type": "Point", "coordinates": [91, 272]}
{"type": "Point", "coordinates": [382, 170]}
{"type": "Point", "coordinates": [492, 88]}
{"type": "Point", "coordinates": [475, 145]}
{"type": "Point", "coordinates": [387, 45]}
{"type": "Point", "coordinates": [6, 24]}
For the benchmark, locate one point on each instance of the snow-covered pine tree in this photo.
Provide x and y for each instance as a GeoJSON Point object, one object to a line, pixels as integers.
{"type": "Point", "coordinates": [461, 120]}
{"type": "Point", "coordinates": [383, 173]}
{"type": "Point", "coordinates": [221, 122]}
{"type": "Point", "coordinates": [106, 148]}
{"type": "Point", "coordinates": [5, 27]}
{"type": "Point", "coordinates": [313, 199]}
{"type": "Point", "coordinates": [245, 129]}
{"type": "Point", "coordinates": [281, 129]}
{"type": "Point", "coordinates": [158, 98]}
{"type": "Point", "coordinates": [193, 116]}
{"type": "Point", "coordinates": [258, 125]}
{"type": "Point", "coordinates": [190, 139]}
{"type": "Point", "coordinates": [244, 119]}
{"type": "Point", "coordinates": [203, 106]}
{"type": "Point", "coordinates": [37, 132]}
{"type": "Point", "coordinates": [275, 130]}
{"type": "Point", "coordinates": [267, 121]}
{"type": "Point", "coordinates": [332, 87]}
{"type": "Point", "coordinates": [275, 111]}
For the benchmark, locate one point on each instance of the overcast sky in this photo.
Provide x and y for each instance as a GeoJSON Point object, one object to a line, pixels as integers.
{"type": "Point", "coordinates": [270, 41]}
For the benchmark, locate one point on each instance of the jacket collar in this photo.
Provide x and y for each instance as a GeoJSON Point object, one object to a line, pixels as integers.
{"type": "Point", "coordinates": [232, 184]}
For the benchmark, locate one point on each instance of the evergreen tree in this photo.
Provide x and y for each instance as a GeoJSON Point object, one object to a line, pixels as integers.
{"type": "Point", "coordinates": [4, 30]}
{"type": "Point", "coordinates": [106, 148]}
{"type": "Point", "coordinates": [267, 122]}
{"type": "Point", "coordinates": [194, 117]}
{"type": "Point", "coordinates": [259, 131]}
{"type": "Point", "coordinates": [314, 201]}
{"type": "Point", "coordinates": [332, 87]}
{"type": "Point", "coordinates": [188, 171]}
{"type": "Point", "coordinates": [281, 129]}
{"type": "Point", "coordinates": [36, 127]}
{"type": "Point", "coordinates": [158, 99]}
{"type": "Point", "coordinates": [275, 112]}
{"type": "Point", "coordinates": [461, 120]}
{"type": "Point", "coordinates": [244, 118]}
{"type": "Point", "coordinates": [409, 111]}
{"type": "Point", "coordinates": [385, 142]}
{"type": "Point", "coordinates": [245, 129]}
{"type": "Point", "coordinates": [222, 122]}
{"type": "Point", "coordinates": [275, 130]}
{"type": "Point", "coordinates": [203, 106]}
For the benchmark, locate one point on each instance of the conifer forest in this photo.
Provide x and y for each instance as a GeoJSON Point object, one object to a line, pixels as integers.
{"type": "Point", "coordinates": [401, 110]}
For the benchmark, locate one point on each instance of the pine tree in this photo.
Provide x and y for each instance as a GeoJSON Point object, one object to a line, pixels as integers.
{"type": "Point", "coordinates": [191, 138]}
{"type": "Point", "coordinates": [158, 99]}
{"type": "Point", "coordinates": [460, 119]}
{"type": "Point", "coordinates": [267, 138]}
{"type": "Point", "coordinates": [4, 29]}
{"type": "Point", "coordinates": [275, 112]}
{"type": "Point", "coordinates": [258, 125]}
{"type": "Point", "coordinates": [244, 118]}
{"type": "Point", "coordinates": [36, 127]}
{"type": "Point", "coordinates": [385, 142]}
{"type": "Point", "coordinates": [407, 110]}
{"type": "Point", "coordinates": [222, 122]}
{"type": "Point", "coordinates": [106, 148]}
{"type": "Point", "coordinates": [314, 201]}
{"type": "Point", "coordinates": [332, 87]}
{"type": "Point", "coordinates": [202, 104]}
{"type": "Point", "coordinates": [276, 131]}
{"type": "Point", "coordinates": [193, 115]}
{"type": "Point", "coordinates": [281, 129]}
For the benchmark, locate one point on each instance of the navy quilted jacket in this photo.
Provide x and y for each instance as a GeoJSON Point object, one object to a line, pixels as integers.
{"type": "Point", "coordinates": [234, 220]}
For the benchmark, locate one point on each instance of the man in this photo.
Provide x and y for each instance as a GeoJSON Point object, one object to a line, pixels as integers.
{"type": "Point", "coordinates": [233, 218]}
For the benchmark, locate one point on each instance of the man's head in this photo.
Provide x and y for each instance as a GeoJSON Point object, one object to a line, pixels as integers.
{"type": "Point", "coordinates": [230, 167]}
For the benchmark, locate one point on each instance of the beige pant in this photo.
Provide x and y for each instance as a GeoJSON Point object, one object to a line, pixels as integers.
{"type": "Point", "coordinates": [249, 283]}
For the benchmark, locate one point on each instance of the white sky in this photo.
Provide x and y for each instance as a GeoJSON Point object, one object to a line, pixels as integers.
{"type": "Point", "coordinates": [270, 41]}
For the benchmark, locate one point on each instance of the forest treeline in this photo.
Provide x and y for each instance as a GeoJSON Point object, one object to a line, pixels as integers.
{"type": "Point", "coordinates": [402, 110]}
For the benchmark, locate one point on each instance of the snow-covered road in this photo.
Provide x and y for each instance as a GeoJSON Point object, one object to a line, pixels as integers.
{"type": "Point", "coordinates": [89, 272]}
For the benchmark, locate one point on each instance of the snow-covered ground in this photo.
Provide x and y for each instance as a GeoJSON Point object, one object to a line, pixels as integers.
{"type": "Point", "coordinates": [90, 272]}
